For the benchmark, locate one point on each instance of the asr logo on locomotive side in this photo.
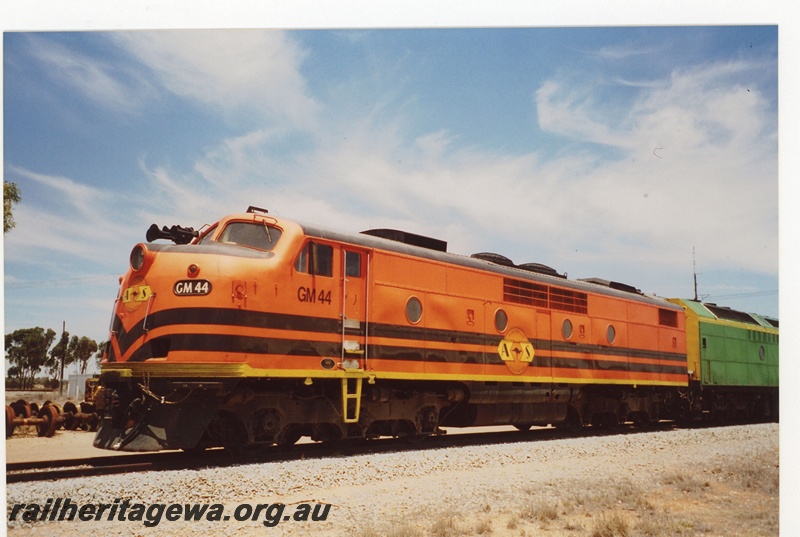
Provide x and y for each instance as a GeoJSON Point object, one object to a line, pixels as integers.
{"type": "Point", "coordinates": [516, 351]}
{"type": "Point", "coordinates": [192, 287]}
{"type": "Point", "coordinates": [136, 293]}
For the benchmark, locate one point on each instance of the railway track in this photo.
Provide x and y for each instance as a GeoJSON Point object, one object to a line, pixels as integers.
{"type": "Point", "coordinates": [94, 466]}
{"type": "Point", "coordinates": [164, 461]}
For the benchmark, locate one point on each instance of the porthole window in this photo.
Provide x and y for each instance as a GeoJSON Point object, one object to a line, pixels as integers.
{"type": "Point", "coordinates": [762, 352]}
{"type": "Point", "coordinates": [611, 334]}
{"type": "Point", "coordinates": [501, 320]}
{"type": "Point", "coordinates": [413, 310]}
{"type": "Point", "coordinates": [566, 329]}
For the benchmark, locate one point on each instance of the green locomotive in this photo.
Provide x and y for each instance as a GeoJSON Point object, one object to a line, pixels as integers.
{"type": "Point", "coordinates": [732, 362]}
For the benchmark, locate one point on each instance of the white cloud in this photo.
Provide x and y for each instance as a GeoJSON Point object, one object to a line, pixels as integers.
{"type": "Point", "coordinates": [434, 144]}
{"type": "Point", "coordinates": [570, 112]}
{"type": "Point", "coordinates": [715, 183]}
{"type": "Point", "coordinates": [694, 165]}
{"type": "Point", "coordinates": [108, 84]}
{"type": "Point", "coordinates": [234, 159]}
{"type": "Point", "coordinates": [254, 70]}
{"type": "Point", "coordinates": [622, 52]}
{"type": "Point", "coordinates": [176, 198]}
{"type": "Point", "coordinates": [77, 220]}
{"type": "Point", "coordinates": [80, 197]}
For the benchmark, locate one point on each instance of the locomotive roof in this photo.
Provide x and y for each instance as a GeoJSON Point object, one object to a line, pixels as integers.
{"type": "Point", "coordinates": [592, 286]}
{"type": "Point", "coordinates": [709, 310]}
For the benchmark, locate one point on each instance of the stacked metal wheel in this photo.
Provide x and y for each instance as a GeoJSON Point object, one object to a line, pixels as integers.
{"type": "Point", "coordinates": [83, 418]}
{"type": "Point", "coordinates": [46, 419]}
{"type": "Point", "coordinates": [50, 417]}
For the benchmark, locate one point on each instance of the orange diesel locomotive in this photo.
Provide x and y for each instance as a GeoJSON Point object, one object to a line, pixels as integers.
{"type": "Point", "coordinates": [259, 330]}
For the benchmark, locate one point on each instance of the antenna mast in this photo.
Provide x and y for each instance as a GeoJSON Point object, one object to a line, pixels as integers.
{"type": "Point", "coordinates": [694, 273]}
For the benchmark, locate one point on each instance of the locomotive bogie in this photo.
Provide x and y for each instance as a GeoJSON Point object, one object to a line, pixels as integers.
{"type": "Point", "coordinates": [136, 418]}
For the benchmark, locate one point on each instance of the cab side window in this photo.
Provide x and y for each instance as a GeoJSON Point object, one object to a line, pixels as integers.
{"type": "Point", "coordinates": [352, 264]}
{"type": "Point", "coordinates": [207, 236]}
{"type": "Point", "coordinates": [315, 259]}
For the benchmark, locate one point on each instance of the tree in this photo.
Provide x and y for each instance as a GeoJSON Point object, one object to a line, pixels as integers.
{"type": "Point", "coordinates": [59, 353]}
{"type": "Point", "coordinates": [80, 350]}
{"type": "Point", "coordinates": [11, 194]}
{"type": "Point", "coordinates": [26, 350]}
{"type": "Point", "coordinates": [101, 350]}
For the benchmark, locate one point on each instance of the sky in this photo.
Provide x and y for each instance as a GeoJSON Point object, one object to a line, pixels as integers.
{"type": "Point", "coordinates": [631, 153]}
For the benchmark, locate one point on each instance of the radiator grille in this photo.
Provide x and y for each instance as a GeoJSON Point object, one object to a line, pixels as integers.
{"type": "Point", "coordinates": [533, 294]}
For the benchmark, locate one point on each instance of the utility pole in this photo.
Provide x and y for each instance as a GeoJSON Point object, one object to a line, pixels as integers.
{"type": "Point", "coordinates": [63, 355]}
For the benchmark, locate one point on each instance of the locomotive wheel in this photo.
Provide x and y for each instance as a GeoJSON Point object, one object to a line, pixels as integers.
{"type": "Point", "coordinates": [572, 423]}
{"type": "Point", "coordinates": [641, 420]}
{"type": "Point", "coordinates": [57, 409]}
{"type": "Point", "coordinates": [94, 423]}
{"type": "Point", "coordinates": [49, 413]}
{"type": "Point", "coordinates": [328, 434]}
{"type": "Point", "coordinates": [235, 440]}
{"type": "Point", "coordinates": [290, 436]}
{"type": "Point", "coordinates": [10, 415]}
{"type": "Point", "coordinates": [612, 422]}
{"type": "Point", "coordinates": [22, 409]}
{"type": "Point", "coordinates": [605, 420]}
{"type": "Point", "coordinates": [70, 423]}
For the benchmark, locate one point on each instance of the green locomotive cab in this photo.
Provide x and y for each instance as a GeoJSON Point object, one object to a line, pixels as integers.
{"type": "Point", "coordinates": [732, 362]}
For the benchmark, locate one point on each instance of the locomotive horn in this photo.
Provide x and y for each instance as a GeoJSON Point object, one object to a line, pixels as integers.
{"type": "Point", "coordinates": [182, 235]}
{"type": "Point", "coordinates": [153, 233]}
{"type": "Point", "coordinates": [177, 234]}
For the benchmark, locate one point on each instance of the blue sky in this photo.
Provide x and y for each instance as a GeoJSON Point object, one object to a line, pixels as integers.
{"type": "Point", "coordinates": [604, 152]}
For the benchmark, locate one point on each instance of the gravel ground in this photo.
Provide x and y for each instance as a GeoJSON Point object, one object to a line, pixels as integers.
{"type": "Point", "coordinates": [461, 491]}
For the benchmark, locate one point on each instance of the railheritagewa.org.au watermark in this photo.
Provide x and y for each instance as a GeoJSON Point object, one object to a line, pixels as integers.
{"type": "Point", "coordinates": [65, 510]}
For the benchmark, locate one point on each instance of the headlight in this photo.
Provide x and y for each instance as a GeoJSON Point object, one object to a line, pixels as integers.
{"type": "Point", "coordinates": [137, 256]}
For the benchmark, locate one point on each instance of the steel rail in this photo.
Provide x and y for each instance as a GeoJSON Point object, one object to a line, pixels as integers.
{"type": "Point", "coordinates": [179, 460]}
